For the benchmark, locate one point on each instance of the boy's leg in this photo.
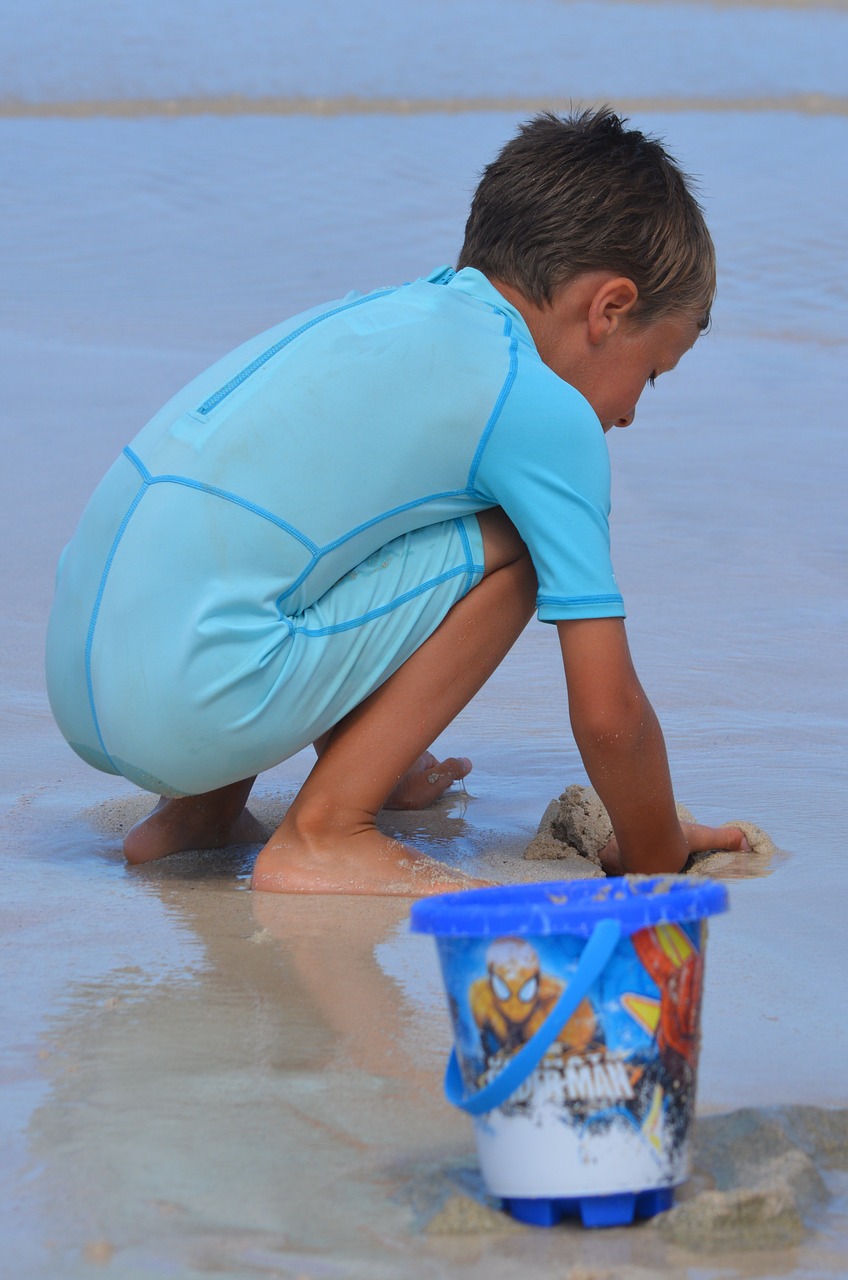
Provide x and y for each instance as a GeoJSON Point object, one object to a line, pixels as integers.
{"type": "Point", "coordinates": [209, 821]}
{"type": "Point", "coordinates": [219, 818]}
{"type": "Point", "coordinates": [422, 784]}
{"type": "Point", "coordinates": [328, 841]}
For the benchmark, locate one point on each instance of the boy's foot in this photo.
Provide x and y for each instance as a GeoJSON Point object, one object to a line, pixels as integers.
{"type": "Point", "coordinates": [427, 781]}
{"type": "Point", "coordinates": [219, 818]}
{"type": "Point", "coordinates": [212, 821]}
{"type": "Point", "coordinates": [364, 862]}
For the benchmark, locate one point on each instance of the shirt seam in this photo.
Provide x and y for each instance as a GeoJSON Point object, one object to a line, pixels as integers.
{"type": "Point", "coordinates": [350, 623]}
{"type": "Point", "coordinates": [609, 598]}
{"type": "Point", "coordinates": [497, 408]}
{"type": "Point", "coordinates": [217, 397]}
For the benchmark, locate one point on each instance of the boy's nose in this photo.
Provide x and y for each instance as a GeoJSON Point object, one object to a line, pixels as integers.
{"type": "Point", "coordinates": [627, 419]}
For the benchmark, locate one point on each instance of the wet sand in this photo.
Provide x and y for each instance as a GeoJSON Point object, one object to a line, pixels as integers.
{"type": "Point", "coordinates": [252, 1085]}
{"type": "Point", "coordinates": [817, 104]}
{"type": "Point", "coordinates": [202, 1081]}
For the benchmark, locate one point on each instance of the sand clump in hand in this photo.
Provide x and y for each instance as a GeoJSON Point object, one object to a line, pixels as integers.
{"type": "Point", "coordinates": [576, 827]}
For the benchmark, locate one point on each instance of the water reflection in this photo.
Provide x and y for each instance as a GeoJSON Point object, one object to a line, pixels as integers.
{"type": "Point", "coordinates": [232, 1092]}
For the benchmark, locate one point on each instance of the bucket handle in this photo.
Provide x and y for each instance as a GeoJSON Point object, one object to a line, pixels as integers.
{"type": "Point", "coordinates": [592, 962]}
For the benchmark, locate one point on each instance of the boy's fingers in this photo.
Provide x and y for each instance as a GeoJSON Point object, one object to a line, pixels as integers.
{"type": "Point", "coordinates": [737, 838]}
{"type": "Point", "coordinates": [699, 839]}
{"type": "Point", "coordinates": [703, 839]}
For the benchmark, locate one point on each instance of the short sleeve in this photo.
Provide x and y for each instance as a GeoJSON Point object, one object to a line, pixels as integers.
{"type": "Point", "coordinates": [544, 460]}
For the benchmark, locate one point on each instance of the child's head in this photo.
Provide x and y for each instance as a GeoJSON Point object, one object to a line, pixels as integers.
{"type": "Point", "coordinates": [582, 193]}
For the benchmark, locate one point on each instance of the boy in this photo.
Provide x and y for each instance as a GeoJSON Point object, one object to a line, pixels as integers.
{"type": "Point", "coordinates": [337, 532]}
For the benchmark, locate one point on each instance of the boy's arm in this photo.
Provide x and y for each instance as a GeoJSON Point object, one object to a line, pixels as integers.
{"type": "Point", "coordinates": [622, 746]}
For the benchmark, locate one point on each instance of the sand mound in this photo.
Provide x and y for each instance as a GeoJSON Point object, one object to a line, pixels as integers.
{"type": "Point", "coordinates": [760, 1169]}
{"type": "Point", "coordinates": [765, 1167]}
{"type": "Point", "coordinates": [576, 827]}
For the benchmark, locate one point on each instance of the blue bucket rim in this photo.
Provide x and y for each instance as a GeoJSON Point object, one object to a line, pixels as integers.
{"type": "Point", "coordinates": [568, 906]}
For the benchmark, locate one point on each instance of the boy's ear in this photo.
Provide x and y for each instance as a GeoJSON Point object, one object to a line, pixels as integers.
{"type": "Point", "coordinates": [612, 302]}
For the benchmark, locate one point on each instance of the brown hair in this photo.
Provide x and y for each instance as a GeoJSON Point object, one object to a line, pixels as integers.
{"type": "Point", "coordinates": [578, 193]}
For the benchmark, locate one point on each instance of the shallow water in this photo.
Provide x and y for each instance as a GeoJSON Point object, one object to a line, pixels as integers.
{"type": "Point", "coordinates": [448, 47]}
{"type": "Point", "coordinates": [197, 1081]}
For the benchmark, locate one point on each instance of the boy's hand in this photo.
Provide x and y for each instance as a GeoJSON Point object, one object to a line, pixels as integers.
{"type": "Point", "coordinates": [699, 839]}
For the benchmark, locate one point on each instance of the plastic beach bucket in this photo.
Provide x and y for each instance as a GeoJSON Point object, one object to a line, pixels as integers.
{"type": "Point", "coordinates": [576, 1009]}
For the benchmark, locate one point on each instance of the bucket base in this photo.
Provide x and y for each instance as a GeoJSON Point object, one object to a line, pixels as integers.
{"type": "Point", "coordinates": [595, 1211]}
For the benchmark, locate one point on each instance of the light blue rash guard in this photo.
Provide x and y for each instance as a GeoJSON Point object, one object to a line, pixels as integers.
{"type": "Point", "coordinates": [190, 588]}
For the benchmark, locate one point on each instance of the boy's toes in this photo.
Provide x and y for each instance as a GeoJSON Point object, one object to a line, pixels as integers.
{"type": "Point", "coordinates": [441, 775]}
{"type": "Point", "coordinates": [427, 781]}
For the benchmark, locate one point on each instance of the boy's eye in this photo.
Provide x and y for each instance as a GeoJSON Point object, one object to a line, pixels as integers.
{"type": "Point", "coordinates": [652, 380]}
